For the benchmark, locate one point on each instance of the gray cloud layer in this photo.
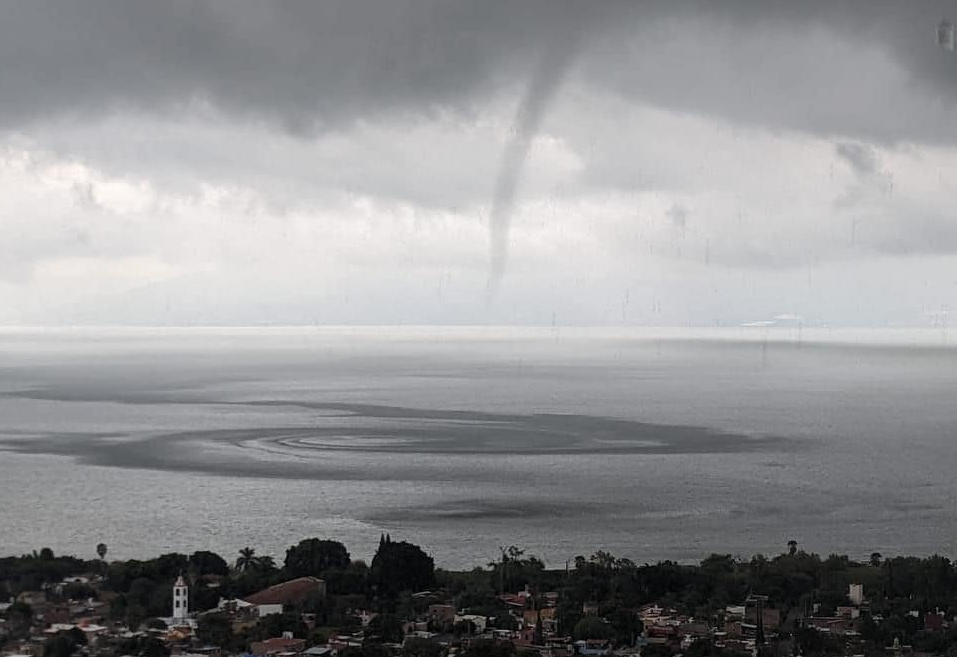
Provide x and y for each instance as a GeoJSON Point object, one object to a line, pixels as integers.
{"type": "Point", "coordinates": [697, 133]}
{"type": "Point", "coordinates": [313, 65]}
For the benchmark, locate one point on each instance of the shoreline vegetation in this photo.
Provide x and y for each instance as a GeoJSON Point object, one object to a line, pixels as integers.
{"type": "Point", "coordinates": [320, 601]}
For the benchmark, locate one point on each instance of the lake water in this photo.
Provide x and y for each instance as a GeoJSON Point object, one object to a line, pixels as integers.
{"type": "Point", "coordinates": [648, 443]}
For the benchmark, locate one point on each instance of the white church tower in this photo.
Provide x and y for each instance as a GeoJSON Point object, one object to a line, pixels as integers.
{"type": "Point", "coordinates": [180, 599]}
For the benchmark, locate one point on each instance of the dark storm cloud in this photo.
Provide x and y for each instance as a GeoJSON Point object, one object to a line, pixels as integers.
{"type": "Point", "coordinates": [314, 65]}
{"type": "Point", "coordinates": [307, 64]}
{"type": "Point", "coordinates": [868, 70]}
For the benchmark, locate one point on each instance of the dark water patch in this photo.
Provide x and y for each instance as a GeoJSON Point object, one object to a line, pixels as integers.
{"type": "Point", "coordinates": [420, 430]}
{"type": "Point", "coordinates": [527, 509]}
{"type": "Point", "coordinates": [915, 507]}
{"type": "Point", "coordinates": [375, 428]}
{"type": "Point", "coordinates": [367, 430]}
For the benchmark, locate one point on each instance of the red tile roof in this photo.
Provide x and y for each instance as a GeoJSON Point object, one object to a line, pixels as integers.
{"type": "Point", "coordinates": [287, 593]}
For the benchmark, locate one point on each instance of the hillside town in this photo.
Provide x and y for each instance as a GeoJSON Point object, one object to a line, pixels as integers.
{"type": "Point", "coordinates": [321, 603]}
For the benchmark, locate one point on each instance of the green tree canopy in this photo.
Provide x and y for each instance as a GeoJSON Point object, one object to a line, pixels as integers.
{"type": "Point", "coordinates": [353, 579]}
{"type": "Point", "coordinates": [215, 630]}
{"type": "Point", "coordinates": [246, 559]}
{"type": "Point", "coordinates": [515, 570]}
{"type": "Point", "coordinates": [656, 650]}
{"type": "Point", "coordinates": [366, 650]}
{"type": "Point", "coordinates": [204, 562]}
{"type": "Point", "coordinates": [19, 617]}
{"type": "Point", "coordinates": [388, 627]}
{"type": "Point", "coordinates": [312, 556]}
{"type": "Point", "coordinates": [145, 646]}
{"type": "Point", "coordinates": [489, 648]}
{"type": "Point", "coordinates": [59, 645]}
{"type": "Point", "coordinates": [592, 627]}
{"type": "Point", "coordinates": [418, 647]}
{"type": "Point", "coordinates": [401, 566]}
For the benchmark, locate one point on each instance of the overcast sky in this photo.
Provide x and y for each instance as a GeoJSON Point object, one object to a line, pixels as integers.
{"type": "Point", "coordinates": [406, 161]}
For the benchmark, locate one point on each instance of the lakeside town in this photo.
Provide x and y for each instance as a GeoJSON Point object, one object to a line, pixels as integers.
{"type": "Point", "coordinates": [319, 602]}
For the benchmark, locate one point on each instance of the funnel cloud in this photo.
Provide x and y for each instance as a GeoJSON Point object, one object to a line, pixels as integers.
{"type": "Point", "coordinates": [557, 57]}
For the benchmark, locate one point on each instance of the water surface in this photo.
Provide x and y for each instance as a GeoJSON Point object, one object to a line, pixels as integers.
{"type": "Point", "coordinates": [651, 444]}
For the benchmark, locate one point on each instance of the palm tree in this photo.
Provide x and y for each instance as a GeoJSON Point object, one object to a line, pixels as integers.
{"type": "Point", "coordinates": [876, 559]}
{"type": "Point", "coordinates": [247, 559]}
{"type": "Point", "coordinates": [264, 564]}
{"type": "Point", "coordinates": [792, 547]}
{"type": "Point", "coordinates": [101, 550]}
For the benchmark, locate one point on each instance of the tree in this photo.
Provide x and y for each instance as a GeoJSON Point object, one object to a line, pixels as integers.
{"type": "Point", "coordinates": [204, 598]}
{"type": "Point", "coordinates": [146, 646]}
{"type": "Point", "coordinates": [401, 566]}
{"type": "Point", "coordinates": [101, 550]}
{"type": "Point", "coordinates": [19, 618]}
{"type": "Point", "coordinates": [515, 570]}
{"type": "Point", "coordinates": [277, 624]}
{"type": "Point", "coordinates": [368, 649]}
{"type": "Point", "coordinates": [246, 560]}
{"type": "Point", "coordinates": [417, 647]}
{"type": "Point", "coordinates": [792, 547]}
{"type": "Point", "coordinates": [703, 648]}
{"type": "Point", "coordinates": [63, 644]}
{"type": "Point", "coordinates": [876, 559]}
{"type": "Point", "coordinates": [150, 646]}
{"type": "Point", "coordinates": [626, 625]}
{"type": "Point", "coordinates": [505, 621]}
{"type": "Point", "coordinates": [78, 591]}
{"type": "Point", "coordinates": [353, 579]}
{"type": "Point", "coordinates": [569, 613]}
{"type": "Point", "coordinates": [592, 627]}
{"type": "Point", "coordinates": [156, 624]}
{"type": "Point", "coordinates": [388, 627]}
{"type": "Point", "coordinates": [167, 567]}
{"type": "Point", "coordinates": [215, 630]}
{"type": "Point", "coordinates": [656, 650]}
{"type": "Point", "coordinates": [718, 564]}
{"type": "Point", "coordinates": [500, 570]}
{"type": "Point", "coordinates": [119, 607]}
{"type": "Point", "coordinates": [264, 566]}
{"type": "Point", "coordinates": [204, 562]}
{"type": "Point", "coordinates": [809, 641]}
{"type": "Point", "coordinates": [312, 556]}
{"type": "Point", "coordinates": [489, 648]}
{"type": "Point", "coordinates": [141, 592]}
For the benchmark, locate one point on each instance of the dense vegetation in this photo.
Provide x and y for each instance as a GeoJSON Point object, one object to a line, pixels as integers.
{"type": "Point", "coordinates": [609, 589]}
